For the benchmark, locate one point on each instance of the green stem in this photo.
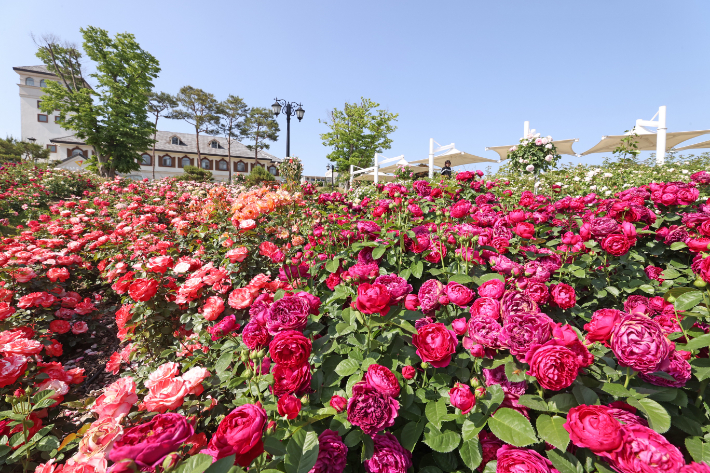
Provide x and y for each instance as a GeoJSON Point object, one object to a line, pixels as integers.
{"type": "Point", "coordinates": [628, 377]}
{"type": "Point", "coordinates": [701, 392]}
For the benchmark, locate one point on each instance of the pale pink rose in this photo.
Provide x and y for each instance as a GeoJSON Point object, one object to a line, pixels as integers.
{"type": "Point", "coordinates": [79, 328]}
{"type": "Point", "coordinates": [98, 440]}
{"type": "Point", "coordinates": [60, 388]}
{"type": "Point", "coordinates": [117, 399]}
{"type": "Point", "coordinates": [193, 379]}
{"type": "Point", "coordinates": [96, 464]}
{"type": "Point", "coordinates": [165, 395]}
{"type": "Point", "coordinates": [165, 371]}
{"type": "Point", "coordinates": [48, 467]}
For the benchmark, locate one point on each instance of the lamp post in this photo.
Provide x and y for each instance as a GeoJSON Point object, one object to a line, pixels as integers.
{"type": "Point", "coordinates": [330, 168]}
{"type": "Point", "coordinates": [289, 109]}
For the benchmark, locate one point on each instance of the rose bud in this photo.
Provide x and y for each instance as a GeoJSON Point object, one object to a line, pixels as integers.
{"type": "Point", "coordinates": [408, 372]}
{"type": "Point", "coordinates": [462, 398]}
{"type": "Point", "coordinates": [289, 406]}
{"type": "Point", "coordinates": [479, 392]}
{"type": "Point", "coordinates": [460, 326]}
{"type": "Point", "coordinates": [478, 351]}
{"type": "Point", "coordinates": [338, 403]}
{"type": "Point", "coordinates": [411, 302]}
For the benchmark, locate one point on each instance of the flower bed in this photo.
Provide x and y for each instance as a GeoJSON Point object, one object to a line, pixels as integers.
{"type": "Point", "coordinates": [440, 326]}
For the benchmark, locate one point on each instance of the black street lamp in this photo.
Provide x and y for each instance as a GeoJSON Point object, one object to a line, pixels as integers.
{"type": "Point", "coordinates": [331, 168]}
{"type": "Point", "coordinates": [289, 109]}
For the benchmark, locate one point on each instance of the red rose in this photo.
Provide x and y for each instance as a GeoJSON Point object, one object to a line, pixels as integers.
{"type": "Point", "coordinates": [59, 326]}
{"type": "Point", "coordinates": [554, 366]}
{"type": "Point", "coordinates": [408, 372]}
{"type": "Point", "coordinates": [58, 274]}
{"type": "Point", "coordinates": [291, 380]}
{"type": "Point", "coordinates": [237, 255]}
{"type": "Point", "coordinates": [382, 379]}
{"type": "Point", "coordinates": [593, 427]}
{"type": "Point", "coordinates": [373, 299]}
{"type": "Point", "coordinates": [564, 296]}
{"type": "Point", "coordinates": [290, 348]}
{"type": "Point", "coordinates": [462, 398]}
{"type": "Point", "coordinates": [240, 434]}
{"type": "Point", "coordinates": [525, 230]}
{"type": "Point", "coordinates": [616, 244]}
{"type": "Point", "coordinates": [458, 293]}
{"type": "Point", "coordinates": [143, 290]}
{"type": "Point", "coordinates": [602, 324]}
{"type": "Point", "coordinates": [289, 406]}
{"type": "Point", "coordinates": [435, 344]}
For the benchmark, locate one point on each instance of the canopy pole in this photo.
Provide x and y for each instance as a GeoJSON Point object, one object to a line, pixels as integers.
{"type": "Point", "coordinates": [661, 138]}
{"type": "Point", "coordinates": [352, 176]}
{"type": "Point", "coordinates": [377, 170]}
{"type": "Point", "coordinates": [526, 129]}
{"type": "Point", "coordinates": [431, 158]}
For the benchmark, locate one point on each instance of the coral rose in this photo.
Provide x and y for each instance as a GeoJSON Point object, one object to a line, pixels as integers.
{"type": "Point", "coordinates": [167, 394]}
{"type": "Point", "coordinates": [116, 400]}
{"type": "Point", "coordinates": [12, 367]}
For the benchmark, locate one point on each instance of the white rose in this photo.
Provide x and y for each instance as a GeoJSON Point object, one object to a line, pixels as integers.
{"type": "Point", "coordinates": [548, 146]}
{"type": "Point", "coordinates": [530, 168]}
{"type": "Point", "coordinates": [548, 158]}
{"type": "Point", "coordinates": [549, 138]}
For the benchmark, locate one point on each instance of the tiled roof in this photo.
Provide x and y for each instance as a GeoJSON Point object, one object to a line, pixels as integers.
{"type": "Point", "coordinates": [33, 69]}
{"type": "Point", "coordinates": [164, 145]}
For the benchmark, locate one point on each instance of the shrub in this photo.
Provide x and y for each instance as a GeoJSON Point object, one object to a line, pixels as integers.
{"type": "Point", "coordinates": [193, 173]}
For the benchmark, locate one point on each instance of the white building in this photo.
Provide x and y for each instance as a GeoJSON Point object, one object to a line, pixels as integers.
{"type": "Point", "coordinates": [173, 151]}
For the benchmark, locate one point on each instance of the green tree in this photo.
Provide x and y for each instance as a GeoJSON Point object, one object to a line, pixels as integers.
{"type": "Point", "coordinates": [358, 132]}
{"type": "Point", "coordinates": [112, 118]}
{"type": "Point", "coordinates": [159, 105]}
{"type": "Point", "coordinates": [260, 127]}
{"type": "Point", "coordinates": [231, 114]}
{"type": "Point", "coordinates": [8, 149]}
{"type": "Point", "coordinates": [193, 173]}
{"type": "Point", "coordinates": [197, 107]}
{"type": "Point", "coordinates": [258, 175]}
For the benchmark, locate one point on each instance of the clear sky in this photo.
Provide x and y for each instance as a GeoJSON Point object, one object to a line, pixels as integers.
{"type": "Point", "coordinates": [468, 72]}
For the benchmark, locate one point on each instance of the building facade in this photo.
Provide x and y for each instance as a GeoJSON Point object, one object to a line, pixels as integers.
{"type": "Point", "coordinates": [173, 151]}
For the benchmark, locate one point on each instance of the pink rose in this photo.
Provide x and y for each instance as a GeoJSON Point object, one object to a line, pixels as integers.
{"type": "Point", "coordinates": [486, 307]}
{"type": "Point", "coordinates": [193, 379]}
{"type": "Point", "coordinates": [564, 296]}
{"type": "Point", "coordinates": [460, 326]}
{"type": "Point", "coordinates": [493, 288]}
{"type": "Point", "coordinates": [165, 371]}
{"type": "Point", "coordinates": [645, 451]}
{"type": "Point", "coordinates": [518, 460]}
{"type": "Point", "coordinates": [462, 398]}
{"type": "Point", "coordinates": [458, 294]}
{"type": "Point", "coordinates": [166, 394]}
{"type": "Point", "coordinates": [116, 400]}
{"type": "Point", "coordinates": [382, 379]}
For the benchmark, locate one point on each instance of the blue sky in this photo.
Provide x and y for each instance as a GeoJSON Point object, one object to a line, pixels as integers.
{"type": "Point", "coordinates": [468, 72]}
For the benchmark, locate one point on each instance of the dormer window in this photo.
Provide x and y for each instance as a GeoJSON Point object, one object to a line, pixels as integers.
{"type": "Point", "coordinates": [214, 144]}
{"type": "Point", "coordinates": [30, 81]}
{"type": "Point", "coordinates": [43, 83]}
{"type": "Point", "coordinates": [176, 141]}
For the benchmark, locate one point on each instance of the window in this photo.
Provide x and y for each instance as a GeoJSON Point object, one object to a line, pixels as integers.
{"type": "Point", "coordinates": [43, 83]}
{"type": "Point", "coordinates": [56, 118]}
{"type": "Point", "coordinates": [272, 170]}
{"type": "Point", "coordinates": [52, 148]}
{"type": "Point", "coordinates": [39, 104]}
{"type": "Point", "coordinates": [185, 162]}
{"type": "Point", "coordinates": [29, 81]}
{"type": "Point", "coordinates": [214, 144]}
{"type": "Point", "coordinates": [41, 117]}
{"type": "Point", "coordinates": [223, 166]}
{"type": "Point", "coordinates": [77, 152]}
{"type": "Point", "coordinates": [176, 141]}
{"type": "Point", "coordinates": [241, 167]}
{"type": "Point", "coordinates": [167, 161]}
{"type": "Point", "coordinates": [206, 164]}
{"type": "Point", "coordinates": [146, 159]}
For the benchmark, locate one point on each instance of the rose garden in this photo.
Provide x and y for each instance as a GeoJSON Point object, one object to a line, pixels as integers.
{"type": "Point", "coordinates": [439, 325]}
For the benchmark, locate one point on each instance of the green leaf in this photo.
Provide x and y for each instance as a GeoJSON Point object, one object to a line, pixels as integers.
{"type": "Point", "coordinates": [701, 368]}
{"type": "Point", "coordinates": [274, 446]}
{"type": "Point", "coordinates": [533, 401]}
{"type": "Point", "coordinates": [562, 402]}
{"type": "Point", "coordinates": [489, 276]}
{"type": "Point", "coordinates": [442, 442]}
{"type": "Point", "coordinates": [552, 431]}
{"type": "Point", "coordinates": [470, 452]}
{"type": "Point", "coordinates": [197, 463]}
{"type": "Point", "coordinates": [332, 265]}
{"type": "Point", "coordinates": [678, 245]}
{"type": "Point", "coordinates": [612, 290]}
{"type": "Point", "coordinates": [470, 430]}
{"type": "Point", "coordinates": [562, 463]}
{"type": "Point", "coordinates": [411, 434]}
{"type": "Point", "coordinates": [368, 448]}
{"type": "Point", "coordinates": [223, 465]}
{"type": "Point", "coordinates": [687, 425]}
{"type": "Point", "coordinates": [301, 452]}
{"type": "Point", "coordinates": [353, 438]}
{"type": "Point", "coordinates": [647, 288]}
{"type": "Point", "coordinates": [616, 390]}
{"type": "Point", "coordinates": [514, 372]}
{"type": "Point", "coordinates": [347, 367]}
{"type": "Point", "coordinates": [223, 363]}
{"type": "Point", "coordinates": [658, 418]}
{"type": "Point", "coordinates": [48, 443]}
{"type": "Point", "coordinates": [670, 273]}
{"type": "Point", "coordinates": [436, 412]}
{"type": "Point", "coordinates": [417, 269]}
{"type": "Point", "coordinates": [512, 427]}
{"type": "Point", "coordinates": [697, 343]}
{"type": "Point", "coordinates": [688, 300]}
{"type": "Point", "coordinates": [584, 395]}
{"type": "Point", "coordinates": [379, 251]}
{"type": "Point", "coordinates": [461, 278]}
{"type": "Point", "coordinates": [699, 450]}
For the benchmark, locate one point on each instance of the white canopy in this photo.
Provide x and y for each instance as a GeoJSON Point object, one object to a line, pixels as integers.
{"type": "Point", "coordinates": [457, 158]}
{"type": "Point", "coordinates": [562, 146]}
{"type": "Point", "coordinates": [370, 177]}
{"type": "Point", "coordinates": [414, 167]}
{"type": "Point", "coordinates": [701, 145]}
{"type": "Point", "coordinates": [646, 141]}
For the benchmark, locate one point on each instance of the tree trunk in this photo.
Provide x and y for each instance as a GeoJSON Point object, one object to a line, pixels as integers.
{"type": "Point", "coordinates": [256, 147]}
{"type": "Point", "coordinates": [199, 156]}
{"type": "Point", "coordinates": [229, 156]}
{"type": "Point", "coordinates": [155, 136]}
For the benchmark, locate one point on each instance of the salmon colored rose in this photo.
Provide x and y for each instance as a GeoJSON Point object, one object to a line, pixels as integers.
{"type": "Point", "coordinates": [116, 400]}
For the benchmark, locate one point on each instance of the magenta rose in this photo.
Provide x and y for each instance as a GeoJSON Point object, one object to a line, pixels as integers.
{"type": "Point", "coordinates": [518, 460]}
{"type": "Point", "coordinates": [239, 433]}
{"type": "Point", "coordinates": [564, 296]}
{"type": "Point", "coordinates": [382, 379]}
{"type": "Point", "coordinates": [645, 451]}
{"type": "Point", "coordinates": [287, 380]}
{"type": "Point", "coordinates": [602, 324]}
{"type": "Point", "coordinates": [484, 331]}
{"type": "Point", "coordinates": [313, 301]}
{"type": "Point", "coordinates": [389, 456]}
{"type": "Point", "coordinates": [462, 398]}
{"type": "Point", "coordinates": [370, 409]}
{"type": "Point", "coordinates": [695, 468]}
{"type": "Point", "coordinates": [288, 313]}
{"type": "Point", "coordinates": [435, 344]}
{"type": "Point", "coordinates": [516, 302]}
{"type": "Point", "coordinates": [290, 348]}
{"type": "Point", "coordinates": [408, 372]}
{"type": "Point", "coordinates": [332, 453]}
{"type": "Point", "coordinates": [521, 331]}
{"type": "Point", "coordinates": [338, 403]}
{"type": "Point", "coordinates": [593, 427]}
{"type": "Point", "coordinates": [617, 244]}
{"type": "Point", "coordinates": [398, 287]}
{"type": "Point", "coordinates": [223, 327]}
{"type": "Point", "coordinates": [458, 294]}
{"type": "Point", "coordinates": [255, 336]}
{"type": "Point", "coordinates": [493, 288]}
{"type": "Point", "coordinates": [676, 366]}
{"type": "Point", "coordinates": [537, 291]}
{"type": "Point", "coordinates": [460, 209]}
{"type": "Point", "coordinates": [411, 302]}
{"type": "Point", "coordinates": [429, 295]}
{"type": "Point", "coordinates": [148, 444]}
{"type": "Point", "coordinates": [288, 406]}
{"type": "Point", "coordinates": [460, 326]}
{"type": "Point", "coordinates": [486, 306]}
{"type": "Point", "coordinates": [639, 342]}
{"type": "Point", "coordinates": [553, 365]}
{"type": "Point", "coordinates": [373, 299]}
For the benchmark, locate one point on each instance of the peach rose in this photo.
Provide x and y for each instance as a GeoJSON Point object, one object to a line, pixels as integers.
{"type": "Point", "coordinates": [240, 298]}
{"type": "Point", "coordinates": [165, 395]}
{"type": "Point", "coordinates": [193, 379]}
{"type": "Point", "coordinates": [165, 371]}
{"type": "Point", "coordinates": [117, 399]}
{"type": "Point", "coordinates": [98, 440]}
{"type": "Point", "coordinates": [60, 389]}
